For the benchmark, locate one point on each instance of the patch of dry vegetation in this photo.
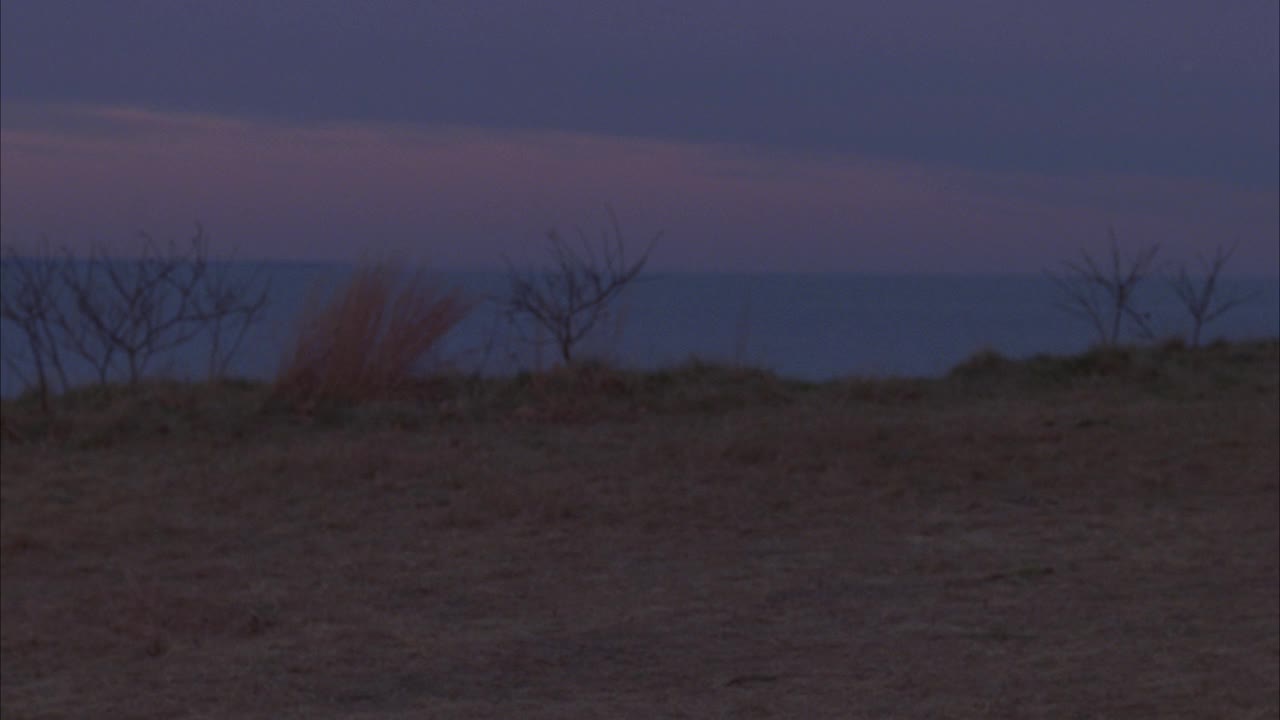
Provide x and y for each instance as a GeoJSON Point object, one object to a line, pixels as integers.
{"type": "Point", "coordinates": [370, 340]}
{"type": "Point", "coordinates": [1060, 537]}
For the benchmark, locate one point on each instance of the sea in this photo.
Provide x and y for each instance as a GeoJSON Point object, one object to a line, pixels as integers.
{"type": "Point", "coordinates": [813, 327]}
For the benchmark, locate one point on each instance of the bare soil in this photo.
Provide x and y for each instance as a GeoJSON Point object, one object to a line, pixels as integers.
{"type": "Point", "coordinates": [1098, 548]}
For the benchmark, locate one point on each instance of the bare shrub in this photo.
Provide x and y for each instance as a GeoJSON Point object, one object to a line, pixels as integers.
{"type": "Point", "coordinates": [117, 314]}
{"type": "Point", "coordinates": [28, 301]}
{"type": "Point", "coordinates": [230, 306]}
{"type": "Point", "coordinates": [134, 307]}
{"type": "Point", "coordinates": [1201, 300]}
{"type": "Point", "coordinates": [569, 297]}
{"type": "Point", "coordinates": [1104, 294]}
{"type": "Point", "coordinates": [369, 339]}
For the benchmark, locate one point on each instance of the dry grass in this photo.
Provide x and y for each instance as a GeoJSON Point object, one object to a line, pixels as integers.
{"type": "Point", "coordinates": [1068, 537]}
{"type": "Point", "coordinates": [370, 339]}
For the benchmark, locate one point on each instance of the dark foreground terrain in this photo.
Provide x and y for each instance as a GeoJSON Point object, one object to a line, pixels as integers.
{"type": "Point", "coordinates": [1063, 538]}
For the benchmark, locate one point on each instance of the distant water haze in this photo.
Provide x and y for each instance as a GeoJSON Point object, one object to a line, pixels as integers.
{"type": "Point", "coordinates": [805, 326]}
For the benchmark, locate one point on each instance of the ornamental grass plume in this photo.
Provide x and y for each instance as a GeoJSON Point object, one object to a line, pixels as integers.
{"type": "Point", "coordinates": [370, 339]}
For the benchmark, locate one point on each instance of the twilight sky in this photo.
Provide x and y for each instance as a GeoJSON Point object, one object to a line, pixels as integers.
{"type": "Point", "coordinates": [918, 135]}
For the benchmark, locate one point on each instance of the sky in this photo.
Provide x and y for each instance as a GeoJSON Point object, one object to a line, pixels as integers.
{"type": "Point", "coordinates": [925, 136]}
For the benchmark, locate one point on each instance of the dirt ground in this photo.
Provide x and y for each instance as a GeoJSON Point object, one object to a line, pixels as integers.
{"type": "Point", "coordinates": [1077, 553]}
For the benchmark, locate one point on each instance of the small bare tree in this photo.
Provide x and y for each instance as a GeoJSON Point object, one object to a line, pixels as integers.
{"type": "Point", "coordinates": [569, 297]}
{"type": "Point", "coordinates": [28, 300]}
{"type": "Point", "coordinates": [1104, 295]}
{"type": "Point", "coordinates": [1199, 299]}
{"type": "Point", "coordinates": [142, 307]}
{"type": "Point", "coordinates": [117, 314]}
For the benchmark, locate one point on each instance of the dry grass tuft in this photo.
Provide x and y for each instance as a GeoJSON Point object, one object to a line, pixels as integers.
{"type": "Point", "coordinates": [370, 339]}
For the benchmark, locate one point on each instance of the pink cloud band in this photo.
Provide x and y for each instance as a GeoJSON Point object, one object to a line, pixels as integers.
{"type": "Point", "coordinates": [468, 197]}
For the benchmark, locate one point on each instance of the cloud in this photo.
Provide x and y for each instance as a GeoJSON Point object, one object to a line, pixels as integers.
{"type": "Point", "coordinates": [460, 196]}
{"type": "Point", "coordinates": [1181, 88]}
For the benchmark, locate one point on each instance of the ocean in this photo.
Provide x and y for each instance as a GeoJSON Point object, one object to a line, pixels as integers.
{"type": "Point", "coordinates": [804, 326]}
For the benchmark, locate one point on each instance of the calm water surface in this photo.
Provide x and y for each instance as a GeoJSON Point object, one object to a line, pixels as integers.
{"type": "Point", "coordinates": [803, 326]}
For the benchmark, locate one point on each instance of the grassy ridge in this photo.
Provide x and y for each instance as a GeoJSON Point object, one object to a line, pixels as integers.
{"type": "Point", "coordinates": [593, 391]}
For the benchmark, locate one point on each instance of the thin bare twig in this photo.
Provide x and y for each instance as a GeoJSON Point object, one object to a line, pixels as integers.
{"type": "Point", "coordinates": [1202, 301]}
{"type": "Point", "coordinates": [1104, 295]}
{"type": "Point", "coordinates": [118, 314]}
{"type": "Point", "coordinates": [28, 300]}
{"type": "Point", "coordinates": [570, 296]}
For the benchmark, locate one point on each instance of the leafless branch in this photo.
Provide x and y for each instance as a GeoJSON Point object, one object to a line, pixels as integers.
{"type": "Point", "coordinates": [1199, 299]}
{"type": "Point", "coordinates": [28, 300]}
{"type": "Point", "coordinates": [118, 314]}
{"type": "Point", "coordinates": [137, 307]}
{"type": "Point", "coordinates": [229, 306]}
{"type": "Point", "coordinates": [1104, 295]}
{"type": "Point", "coordinates": [569, 297]}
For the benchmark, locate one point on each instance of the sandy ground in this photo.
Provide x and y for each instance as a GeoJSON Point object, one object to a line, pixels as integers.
{"type": "Point", "coordinates": [1078, 554]}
